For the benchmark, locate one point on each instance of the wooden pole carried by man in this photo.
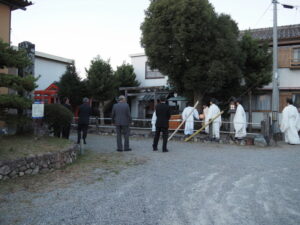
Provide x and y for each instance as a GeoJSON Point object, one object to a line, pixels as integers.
{"type": "Point", "coordinates": [203, 127]}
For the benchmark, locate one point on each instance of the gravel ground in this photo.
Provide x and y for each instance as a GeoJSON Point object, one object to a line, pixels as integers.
{"type": "Point", "coordinates": [195, 183]}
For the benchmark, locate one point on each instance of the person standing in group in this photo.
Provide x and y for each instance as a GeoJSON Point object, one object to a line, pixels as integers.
{"type": "Point", "coordinates": [290, 123]}
{"type": "Point", "coordinates": [239, 120]}
{"type": "Point", "coordinates": [188, 114]}
{"type": "Point", "coordinates": [153, 120]}
{"type": "Point", "coordinates": [84, 114]}
{"type": "Point", "coordinates": [205, 114]}
{"type": "Point", "coordinates": [163, 115]}
{"type": "Point", "coordinates": [121, 118]}
{"type": "Point", "coordinates": [213, 111]}
{"type": "Point", "coordinates": [66, 129]}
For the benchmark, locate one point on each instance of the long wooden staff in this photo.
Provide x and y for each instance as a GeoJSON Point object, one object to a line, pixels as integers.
{"type": "Point", "coordinates": [183, 121]}
{"type": "Point", "coordinates": [203, 127]}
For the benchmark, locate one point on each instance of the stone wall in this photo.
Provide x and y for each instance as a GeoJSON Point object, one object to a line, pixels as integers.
{"type": "Point", "coordinates": [35, 164]}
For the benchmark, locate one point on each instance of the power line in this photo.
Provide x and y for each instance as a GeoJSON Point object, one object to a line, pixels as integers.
{"type": "Point", "coordinates": [263, 14]}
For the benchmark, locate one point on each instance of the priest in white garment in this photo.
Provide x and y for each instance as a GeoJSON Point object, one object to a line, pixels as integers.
{"type": "Point", "coordinates": [153, 121]}
{"type": "Point", "coordinates": [189, 114]}
{"type": "Point", "coordinates": [205, 113]}
{"type": "Point", "coordinates": [290, 124]}
{"type": "Point", "coordinates": [213, 111]}
{"type": "Point", "coordinates": [239, 120]}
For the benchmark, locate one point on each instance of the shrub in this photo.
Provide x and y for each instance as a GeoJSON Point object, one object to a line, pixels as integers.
{"type": "Point", "coordinates": [57, 116]}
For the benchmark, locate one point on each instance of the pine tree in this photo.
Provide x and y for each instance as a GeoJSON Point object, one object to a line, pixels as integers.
{"type": "Point", "coordinates": [71, 87]}
{"type": "Point", "coordinates": [15, 99]}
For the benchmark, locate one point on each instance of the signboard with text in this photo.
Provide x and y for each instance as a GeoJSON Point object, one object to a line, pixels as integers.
{"type": "Point", "coordinates": [37, 110]}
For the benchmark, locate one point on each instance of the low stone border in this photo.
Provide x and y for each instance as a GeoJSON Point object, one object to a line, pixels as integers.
{"type": "Point", "coordinates": [34, 164]}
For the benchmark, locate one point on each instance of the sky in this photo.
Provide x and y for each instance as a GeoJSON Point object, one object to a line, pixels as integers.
{"type": "Point", "coordinates": [83, 29]}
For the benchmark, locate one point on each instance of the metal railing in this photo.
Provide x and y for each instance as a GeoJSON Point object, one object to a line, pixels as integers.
{"type": "Point", "coordinates": [145, 124]}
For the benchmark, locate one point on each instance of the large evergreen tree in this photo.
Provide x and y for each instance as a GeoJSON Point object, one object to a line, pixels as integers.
{"type": "Point", "coordinates": [101, 82]}
{"type": "Point", "coordinates": [125, 76]}
{"type": "Point", "coordinates": [195, 47]}
{"type": "Point", "coordinates": [70, 86]}
{"type": "Point", "coordinates": [256, 62]}
{"type": "Point", "coordinates": [256, 66]}
{"type": "Point", "coordinates": [15, 99]}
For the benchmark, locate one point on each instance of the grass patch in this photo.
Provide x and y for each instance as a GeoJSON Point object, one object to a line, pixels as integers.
{"type": "Point", "coordinates": [13, 147]}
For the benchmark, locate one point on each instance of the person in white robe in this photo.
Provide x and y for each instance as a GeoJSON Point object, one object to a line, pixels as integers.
{"type": "Point", "coordinates": [153, 122]}
{"type": "Point", "coordinates": [205, 113]}
{"type": "Point", "coordinates": [188, 114]}
{"type": "Point", "coordinates": [290, 124]}
{"type": "Point", "coordinates": [213, 111]}
{"type": "Point", "coordinates": [240, 121]}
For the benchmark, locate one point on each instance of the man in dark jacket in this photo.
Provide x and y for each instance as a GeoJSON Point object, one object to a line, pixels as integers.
{"type": "Point", "coordinates": [163, 115]}
{"type": "Point", "coordinates": [121, 118]}
{"type": "Point", "coordinates": [83, 120]}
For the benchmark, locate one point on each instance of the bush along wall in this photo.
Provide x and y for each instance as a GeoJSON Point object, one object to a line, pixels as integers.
{"type": "Point", "coordinates": [35, 164]}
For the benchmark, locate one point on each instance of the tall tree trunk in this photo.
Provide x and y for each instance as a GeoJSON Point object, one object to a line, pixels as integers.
{"type": "Point", "coordinates": [101, 110]}
{"type": "Point", "coordinates": [198, 97]}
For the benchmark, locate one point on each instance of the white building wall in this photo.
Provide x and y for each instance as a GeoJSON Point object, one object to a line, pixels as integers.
{"type": "Point", "coordinates": [287, 78]}
{"type": "Point", "coordinates": [139, 64]}
{"type": "Point", "coordinates": [49, 71]}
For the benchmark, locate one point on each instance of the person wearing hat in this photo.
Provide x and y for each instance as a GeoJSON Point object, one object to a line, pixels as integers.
{"type": "Point", "coordinates": [84, 114]}
{"type": "Point", "coordinates": [121, 118]}
{"type": "Point", "coordinates": [163, 115]}
{"type": "Point", "coordinates": [213, 111]}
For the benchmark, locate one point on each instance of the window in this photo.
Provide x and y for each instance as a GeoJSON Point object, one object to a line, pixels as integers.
{"type": "Point", "coordinates": [295, 57]}
{"type": "Point", "coordinates": [259, 103]}
{"type": "Point", "coordinates": [152, 74]}
{"type": "Point", "coordinates": [296, 100]}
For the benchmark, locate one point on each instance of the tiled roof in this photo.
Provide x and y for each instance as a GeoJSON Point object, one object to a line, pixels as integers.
{"type": "Point", "coordinates": [284, 32]}
{"type": "Point", "coordinates": [16, 4]}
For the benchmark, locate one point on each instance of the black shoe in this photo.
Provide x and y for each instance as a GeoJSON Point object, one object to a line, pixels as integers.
{"type": "Point", "coordinates": [166, 150]}
{"type": "Point", "coordinates": [84, 142]}
{"type": "Point", "coordinates": [119, 150]}
{"type": "Point", "coordinates": [154, 148]}
{"type": "Point", "coordinates": [127, 150]}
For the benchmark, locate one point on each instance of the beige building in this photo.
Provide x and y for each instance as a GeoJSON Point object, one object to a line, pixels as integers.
{"type": "Point", "coordinates": [6, 7]}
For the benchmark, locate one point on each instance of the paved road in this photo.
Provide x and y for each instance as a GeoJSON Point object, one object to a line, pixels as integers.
{"type": "Point", "coordinates": [195, 183]}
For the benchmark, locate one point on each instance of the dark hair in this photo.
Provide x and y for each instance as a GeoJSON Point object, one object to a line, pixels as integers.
{"type": "Point", "coordinates": [213, 100]}
{"type": "Point", "coordinates": [290, 101]}
{"type": "Point", "coordinates": [189, 104]}
{"type": "Point", "coordinates": [237, 100]}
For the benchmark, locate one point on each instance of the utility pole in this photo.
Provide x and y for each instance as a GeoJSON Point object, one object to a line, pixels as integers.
{"type": "Point", "coordinates": [275, 77]}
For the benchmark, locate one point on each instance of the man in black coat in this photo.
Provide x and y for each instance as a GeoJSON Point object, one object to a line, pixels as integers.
{"type": "Point", "coordinates": [121, 118]}
{"type": "Point", "coordinates": [163, 115]}
{"type": "Point", "coordinates": [83, 120]}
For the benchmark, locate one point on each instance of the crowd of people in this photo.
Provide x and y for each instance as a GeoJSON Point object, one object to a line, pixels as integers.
{"type": "Point", "coordinates": [121, 119]}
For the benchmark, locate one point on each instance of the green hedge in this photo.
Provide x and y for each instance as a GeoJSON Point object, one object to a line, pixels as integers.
{"type": "Point", "coordinates": [57, 116]}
